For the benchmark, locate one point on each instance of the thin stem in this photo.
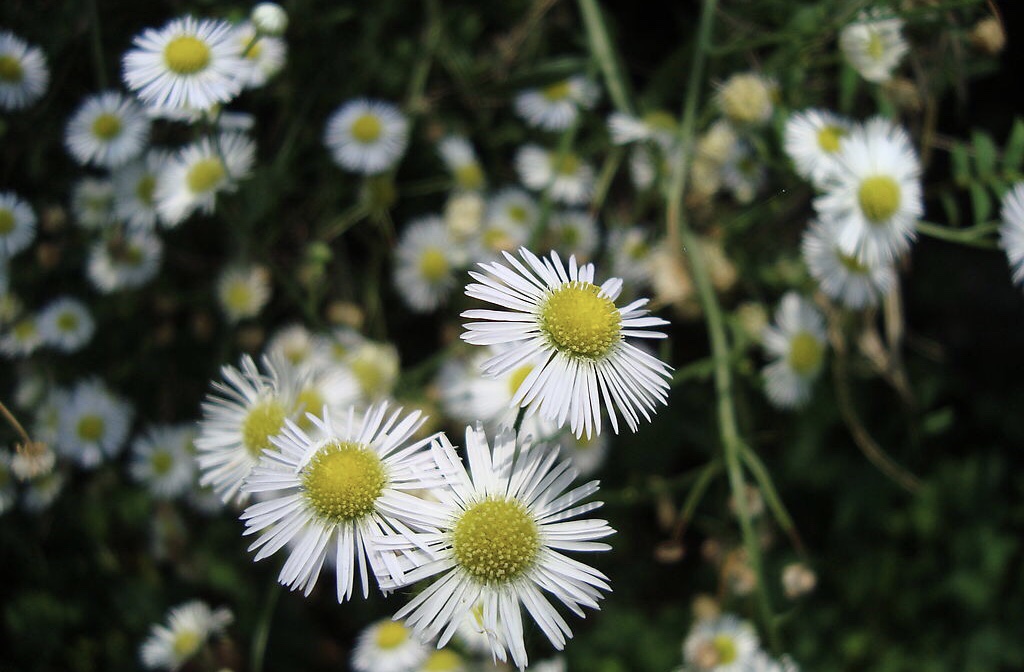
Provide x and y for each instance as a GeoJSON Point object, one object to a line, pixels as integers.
{"type": "Point", "coordinates": [707, 476]}
{"type": "Point", "coordinates": [601, 48]}
{"type": "Point", "coordinates": [97, 45]}
{"type": "Point", "coordinates": [13, 421]}
{"type": "Point", "coordinates": [975, 236]}
{"type": "Point", "coordinates": [262, 633]}
{"type": "Point", "coordinates": [771, 495]}
{"type": "Point", "coordinates": [520, 415]}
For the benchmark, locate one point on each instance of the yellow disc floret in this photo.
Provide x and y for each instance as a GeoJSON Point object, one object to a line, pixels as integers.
{"type": "Point", "coordinates": [144, 189]}
{"type": "Point", "coordinates": [343, 481]}
{"type": "Point", "coordinates": [496, 540]}
{"type": "Point", "coordinates": [390, 635]}
{"type": "Point", "coordinates": [469, 176]}
{"type": "Point", "coordinates": [876, 47]}
{"type": "Point", "coordinates": [567, 164]}
{"type": "Point", "coordinates": [851, 263]}
{"type": "Point", "coordinates": [367, 128]}
{"type": "Point", "coordinates": [725, 647]}
{"type": "Point", "coordinates": [557, 91]}
{"type": "Point", "coordinates": [580, 321]}
{"type": "Point", "coordinates": [829, 138]}
{"type": "Point", "coordinates": [263, 421]}
{"type": "Point", "coordinates": [879, 198]}
{"type": "Point", "coordinates": [6, 221]}
{"type": "Point", "coordinates": [161, 461]}
{"type": "Point", "coordinates": [805, 353]}
{"type": "Point", "coordinates": [515, 381]}
{"type": "Point", "coordinates": [442, 661]}
{"type": "Point", "coordinates": [433, 265]}
{"type": "Point", "coordinates": [90, 427]}
{"type": "Point", "coordinates": [10, 69]}
{"type": "Point", "coordinates": [186, 643]}
{"type": "Point", "coordinates": [310, 401]}
{"type": "Point", "coordinates": [186, 55]}
{"type": "Point", "coordinates": [106, 126]}
{"type": "Point", "coordinates": [239, 297]}
{"type": "Point", "coordinates": [67, 322]}
{"type": "Point", "coordinates": [205, 175]}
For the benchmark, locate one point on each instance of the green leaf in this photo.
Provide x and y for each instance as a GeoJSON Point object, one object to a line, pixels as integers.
{"type": "Point", "coordinates": [1013, 157]}
{"type": "Point", "coordinates": [961, 165]}
{"type": "Point", "coordinates": [950, 207]}
{"type": "Point", "coordinates": [981, 203]}
{"type": "Point", "coordinates": [985, 154]}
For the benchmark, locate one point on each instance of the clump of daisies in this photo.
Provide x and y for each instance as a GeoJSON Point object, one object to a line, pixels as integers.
{"type": "Point", "coordinates": [187, 629]}
{"type": "Point", "coordinates": [874, 45]}
{"type": "Point", "coordinates": [796, 344]}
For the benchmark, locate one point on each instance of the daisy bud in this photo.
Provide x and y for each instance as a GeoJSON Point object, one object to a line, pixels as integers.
{"type": "Point", "coordinates": [269, 18]}
{"type": "Point", "coordinates": [798, 579]}
{"type": "Point", "coordinates": [988, 36]}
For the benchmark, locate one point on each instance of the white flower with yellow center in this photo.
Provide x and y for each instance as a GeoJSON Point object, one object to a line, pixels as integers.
{"type": "Point", "coordinates": [188, 628]}
{"type": "Point", "coordinates": [22, 338]}
{"type": "Point", "coordinates": [496, 539]}
{"type": "Point", "coordinates": [874, 44]}
{"type": "Point", "coordinates": [94, 424]}
{"type": "Point", "coordinates": [631, 255]}
{"type": "Point", "coordinates": [573, 232]}
{"type": "Point", "coordinates": [240, 416]}
{"type": "Point", "coordinates": [335, 493]}
{"type": "Point", "coordinates": [66, 324]}
{"type": "Point", "coordinates": [92, 203]}
{"type": "Point", "coordinates": [461, 160]}
{"type": "Point", "coordinates": [813, 140]}
{"type": "Point", "coordinates": [388, 646]}
{"type": "Point", "coordinates": [425, 264]}
{"type": "Point", "coordinates": [23, 72]}
{"type": "Point", "coordinates": [295, 343]}
{"type": "Point", "coordinates": [162, 460]}
{"type": "Point", "coordinates": [657, 125]}
{"type": "Point", "coordinates": [796, 345]}
{"type": "Point", "coordinates": [841, 276]}
{"type": "Point", "coordinates": [374, 365]}
{"type": "Point", "coordinates": [17, 225]}
{"type": "Point", "coordinates": [269, 18]}
{"type": "Point", "coordinates": [1011, 233]}
{"type": "Point", "coordinates": [264, 55]}
{"type": "Point", "coordinates": [108, 130]}
{"type": "Point", "coordinates": [570, 325]}
{"type": "Point", "coordinates": [200, 171]}
{"type": "Point", "coordinates": [242, 291]}
{"type": "Point", "coordinates": [367, 136]}
{"type": "Point", "coordinates": [464, 218]}
{"type": "Point", "coordinates": [723, 644]}
{"type": "Point", "coordinates": [566, 177]}
{"type": "Point", "coordinates": [513, 209]}
{"type": "Point", "coordinates": [874, 199]}
{"type": "Point", "coordinates": [556, 106]}
{"type": "Point", "coordinates": [135, 190]}
{"type": "Point", "coordinates": [187, 63]}
{"type": "Point", "coordinates": [125, 262]}
{"type": "Point", "coordinates": [747, 98]}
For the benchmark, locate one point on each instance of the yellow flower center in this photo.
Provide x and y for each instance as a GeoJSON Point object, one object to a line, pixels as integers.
{"type": "Point", "coordinates": [725, 647]}
{"type": "Point", "coordinates": [67, 322]}
{"type": "Point", "coordinates": [161, 461]}
{"type": "Point", "coordinates": [579, 321]}
{"type": "Point", "coordinates": [343, 481]}
{"type": "Point", "coordinates": [205, 175]}
{"type": "Point", "coordinates": [367, 128]}
{"type": "Point", "coordinates": [851, 263]}
{"type": "Point", "coordinates": [186, 55]}
{"type": "Point", "coordinates": [10, 69]}
{"type": "Point", "coordinates": [876, 48]}
{"type": "Point", "coordinates": [637, 250]}
{"type": "Point", "coordinates": [660, 120]}
{"type": "Point", "coordinates": [186, 643]}
{"type": "Point", "coordinates": [879, 198]}
{"type": "Point", "coordinates": [90, 427]}
{"type": "Point", "coordinates": [25, 329]}
{"type": "Point", "coordinates": [570, 236]}
{"type": "Point", "coordinates": [515, 381]}
{"type": "Point", "coordinates": [567, 164]}
{"type": "Point", "coordinates": [557, 92]}
{"type": "Point", "coordinates": [369, 370]}
{"type": "Point", "coordinates": [310, 401]}
{"type": "Point", "coordinates": [496, 239]}
{"type": "Point", "coordinates": [443, 661]}
{"type": "Point", "coordinates": [517, 213]}
{"type": "Point", "coordinates": [144, 189]}
{"type": "Point", "coordinates": [496, 540]}
{"type": "Point", "coordinates": [263, 421]}
{"type": "Point", "coordinates": [433, 265]}
{"type": "Point", "coordinates": [238, 296]}
{"type": "Point", "coordinates": [805, 353]}
{"type": "Point", "coordinates": [469, 176]}
{"type": "Point", "coordinates": [255, 49]}
{"type": "Point", "coordinates": [106, 126]}
{"type": "Point", "coordinates": [391, 634]}
{"type": "Point", "coordinates": [6, 221]}
{"type": "Point", "coordinates": [829, 138]}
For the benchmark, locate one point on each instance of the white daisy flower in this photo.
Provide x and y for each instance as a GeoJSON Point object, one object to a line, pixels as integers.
{"type": "Point", "coordinates": [295, 343]}
{"type": "Point", "coordinates": [874, 199]}
{"type": "Point", "coordinates": [108, 130]}
{"type": "Point", "coordinates": [569, 179]}
{"type": "Point", "coordinates": [461, 160]}
{"type": "Point", "coordinates": [658, 125]}
{"type": "Point", "coordinates": [66, 324]}
{"type": "Point", "coordinates": [23, 338]}
{"type": "Point", "coordinates": [269, 18]}
{"type": "Point", "coordinates": [162, 460]}
{"type": "Point", "coordinates": [243, 291]}
{"type": "Point", "coordinates": [747, 98]}
{"type": "Point", "coordinates": [264, 55]}
{"type": "Point", "coordinates": [200, 171]}
{"type": "Point", "coordinates": [513, 209]}
{"type": "Point", "coordinates": [575, 329]}
{"type": "Point", "coordinates": [367, 136]}
{"type": "Point", "coordinates": [17, 225]}
{"type": "Point", "coordinates": [94, 423]}
{"type": "Point", "coordinates": [188, 627]}
{"type": "Point", "coordinates": [841, 276]}
{"type": "Point", "coordinates": [135, 190]}
{"type": "Point", "coordinates": [874, 44]}
{"type": "Point", "coordinates": [187, 63]}
{"type": "Point", "coordinates": [40, 492]}
{"type": "Point", "coordinates": [125, 262]}
{"type": "Point", "coordinates": [388, 646]}
{"type": "Point", "coordinates": [23, 72]}
{"type": "Point", "coordinates": [723, 644]}
{"type": "Point", "coordinates": [556, 106]}
{"type": "Point", "coordinates": [240, 416]}
{"type": "Point", "coordinates": [631, 255]}
{"type": "Point", "coordinates": [375, 367]}
{"type": "Point", "coordinates": [334, 494]}
{"type": "Point", "coordinates": [463, 217]}
{"type": "Point", "coordinates": [797, 346]}
{"type": "Point", "coordinates": [497, 536]}
{"type": "Point", "coordinates": [813, 139]}
{"type": "Point", "coordinates": [425, 264]}
{"type": "Point", "coordinates": [1011, 233]}
{"type": "Point", "coordinates": [8, 492]}
{"type": "Point", "coordinates": [92, 203]}
{"type": "Point", "coordinates": [574, 233]}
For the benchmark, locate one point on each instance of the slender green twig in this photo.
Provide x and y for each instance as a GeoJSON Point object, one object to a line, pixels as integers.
{"type": "Point", "coordinates": [707, 476]}
{"type": "Point", "coordinates": [262, 633]}
{"type": "Point", "coordinates": [13, 421]}
{"type": "Point", "coordinates": [975, 236]}
{"type": "Point", "coordinates": [771, 495]}
{"type": "Point", "coordinates": [99, 63]}
{"type": "Point", "coordinates": [601, 48]}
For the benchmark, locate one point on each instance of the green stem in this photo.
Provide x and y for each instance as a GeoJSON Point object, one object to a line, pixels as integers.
{"type": "Point", "coordinates": [771, 495]}
{"type": "Point", "coordinates": [707, 476]}
{"type": "Point", "coordinates": [97, 45]}
{"type": "Point", "coordinates": [262, 633]}
{"type": "Point", "coordinates": [601, 48]}
{"type": "Point", "coordinates": [13, 421]}
{"type": "Point", "coordinates": [975, 236]}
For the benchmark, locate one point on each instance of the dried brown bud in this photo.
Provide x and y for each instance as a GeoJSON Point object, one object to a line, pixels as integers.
{"type": "Point", "coordinates": [988, 36]}
{"type": "Point", "coordinates": [798, 579]}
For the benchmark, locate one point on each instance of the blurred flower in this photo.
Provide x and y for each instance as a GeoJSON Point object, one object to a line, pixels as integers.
{"type": "Point", "coordinates": [724, 644]}
{"type": "Point", "coordinates": [813, 139]}
{"type": "Point", "coordinates": [124, 262]}
{"type": "Point", "coordinates": [513, 209]}
{"type": "Point", "coordinates": [425, 264]}
{"type": "Point", "coordinates": [135, 189]}
{"type": "Point", "coordinates": [107, 130]}
{"type": "Point", "coordinates": [22, 338]}
{"type": "Point", "coordinates": [573, 232]}
{"type": "Point", "coordinates": [263, 55]}
{"type": "Point", "coordinates": [746, 98]}
{"type": "Point", "coordinates": [375, 366]}
{"type": "Point", "coordinates": [753, 318]}
{"type": "Point", "coordinates": [17, 224]}
{"type": "Point", "coordinates": [797, 346]}
{"type": "Point", "coordinates": [42, 491]}
{"type": "Point", "coordinates": [460, 159]}
{"type": "Point", "coordinates": [367, 136]}
{"type": "Point", "coordinates": [631, 255]}
{"type": "Point", "coordinates": [162, 460]}
{"type": "Point", "coordinates": [718, 142]}
{"type": "Point", "coordinates": [556, 106]}
{"type": "Point", "coordinates": [798, 579]}
{"type": "Point", "coordinates": [94, 423]}
{"type": "Point", "coordinates": [658, 125]}
{"type": "Point", "coordinates": [988, 35]}
{"type": "Point", "coordinates": [568, 178]}
{"type": "Point", "coordinates": [762, 662]}
{"type": "Point", "coordinates": [23, 72]}
{"type": "Point", "coordinates": [873, 44]}
{"type": "Point", "coordinates": [294, 343]}
{"type": "Point", "coordinates": [269, 18]}
{"type": "Point", "coordinates": [189, 627]}
{"type": "Point", "coordinates": [1011, 233]}
{"type": "Point", "coordinates": [66, 324]}
{"type": "Point", "coordinates": [388, 646]}
{"type": "Point", "coordinates": [197, 173]}
{"type": "Point", "coordinates": [463, 218]}
{"type": "Point", "coordinates": [32, 460]}
{"type": "Point", "coordinates": [743, 173]}
{"type": "Point", "coordinates": [445, 660]}
{"type": "Point", "coordinates": [841, 276]}
{"type": "Point", "coordinates": [243, 291]}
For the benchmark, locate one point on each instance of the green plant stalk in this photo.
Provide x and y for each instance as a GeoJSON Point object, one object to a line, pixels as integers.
{"type": "Point", "coordinates": [262, 633]}
{"type": "Point", "coordinates": [97, 45]}
{"type": "Point", "coordinates": [707, 476]}
{"type": "Point", "coordinates": [602, 50]}
{"type": "Point", "coordinates": [771, 495]}
{"type": "Point", "coordinates": [975, 236]}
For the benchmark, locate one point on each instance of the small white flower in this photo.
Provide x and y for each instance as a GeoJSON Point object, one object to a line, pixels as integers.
{"type": "Point", "coordinates": [94, 424]}
{"type": "Point", "coordinates": [124, 262]}
{"type": "Point", "coordinates": [334, 494]}
{"type": "Point", "coordinates": [743, 173]}
{"type": "Point", "coordinates": [200, 171]}
{"type": "Point", "coordinates": [188, 628]}
{"type": "Point", "coordinates": [135, 190]}
{"type": "Point", "coordinates": [295, 344]}
{"type": "Point", "coordinates": [463, 217]}
{"type": "Point", "coordinates": [187, 63]}
{"type": "Point", "coordinates": [388, 646]}
{"type": "Point", "coordinates": [569, 179]}
{"type": "Point", "coordinates": [874, 199]}
{"type": "Point", "coordinates": [797, 346]}
{"type": "Point", "coordinates": [92, 203]}
{"type": "Point", "coordinates": [723, 644]}
{"type": "Point", "coordinates": [631, 255]}
{"type": "Point", "coordinates": [108, 130]}
{"type": "Point", "coordinates": [573, 232]}
{"type": "Point", "coordinates": [17, 225]}
{"type": "Point", "coordinates": [23, 72]}
{"type": "Point", "coordinates": [22, 338]}
{"type": "Point", "coordinates": [269, 18]}
{"type": "Point", "coordinates": [746, 98]}
{"type": "Point", "coordinates": [461, 160]}
{"type": "Point", "coordinates": [66, 324]}
{"type": "Point", "coordinates": [367, 136]}
{"type": "Point", "coordinates": [841, 276]}
{"type": "Point", "coordinates": [425, 263]}
{"type": "Point", "coordinates": [162, 460]}
{"type": "Point", "coordinates": [264, 55]}
{"type": "Point", "coordinates": [1011, 233]}
{"type": "Point", "coordinates": [556, 106]}
{"type": "Point", "coordinates": [658, 125]}
{"type": "Point", "coordinates": [874, 44]}
{"type": "Point", "coordinates": [495, 539]}
{"type": "Point", "coordinates": [813, 140]}
{"type": "Point", "coordinates": [242, 291]}
{"type": "Point", "coordinates": [513, 209]}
